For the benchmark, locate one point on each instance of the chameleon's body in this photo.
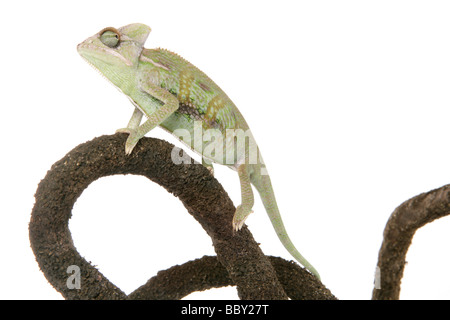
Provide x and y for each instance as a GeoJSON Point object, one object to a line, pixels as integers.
{"type": "Point", "coordinates": [174, 94]}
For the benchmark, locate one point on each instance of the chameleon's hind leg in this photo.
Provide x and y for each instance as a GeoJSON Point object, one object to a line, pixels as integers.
{"type": "Point", "coordinates": [245, 208]}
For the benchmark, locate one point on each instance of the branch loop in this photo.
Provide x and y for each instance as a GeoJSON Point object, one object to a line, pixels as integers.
{"type": "Point", "coordinates": [239, 259]}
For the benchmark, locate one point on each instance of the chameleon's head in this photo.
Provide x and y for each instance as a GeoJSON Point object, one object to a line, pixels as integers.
{"type": "Point", "coordinates": [115, 52]}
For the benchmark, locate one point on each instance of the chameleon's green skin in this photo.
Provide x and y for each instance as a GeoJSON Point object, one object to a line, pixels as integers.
{"type": "Point", "coordinates": [173, 94]}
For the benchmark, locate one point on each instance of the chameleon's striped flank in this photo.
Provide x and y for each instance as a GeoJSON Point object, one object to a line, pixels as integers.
{"type": "Point", "coordinates": [186, 79]}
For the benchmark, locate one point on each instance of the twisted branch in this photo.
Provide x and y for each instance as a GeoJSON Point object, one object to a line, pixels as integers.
{"type": "Point", "coordinates": [398, 233]}
{"type": "Point", "coordinates": [239, 260]}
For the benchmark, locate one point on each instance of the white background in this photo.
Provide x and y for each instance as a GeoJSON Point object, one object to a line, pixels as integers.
{"type": "Point", "coordinates": [348, 100]}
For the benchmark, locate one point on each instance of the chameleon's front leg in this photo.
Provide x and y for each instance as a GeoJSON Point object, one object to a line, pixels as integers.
{"type": "Point", "coordinates": [247, 200]}
{"type": "Point", "coordinates": [134, 122]}
{"type": "Point", "coordinates": [162, 113]}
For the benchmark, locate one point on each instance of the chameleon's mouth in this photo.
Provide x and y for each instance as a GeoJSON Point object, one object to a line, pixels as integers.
{"type": "Point", "coordinates": [97, 63]}
{"type": "Point", "coordinates": [90, 51]}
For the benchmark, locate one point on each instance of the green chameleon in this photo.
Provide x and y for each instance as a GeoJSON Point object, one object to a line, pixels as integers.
{"type": "Point", "coordinates": [175, 95]}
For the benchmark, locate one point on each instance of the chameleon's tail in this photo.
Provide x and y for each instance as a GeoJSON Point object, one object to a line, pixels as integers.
{"type": "Point", "coordinates": [264, 186]}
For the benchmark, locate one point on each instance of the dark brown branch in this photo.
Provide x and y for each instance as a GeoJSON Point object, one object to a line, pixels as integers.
{"type": "Point", "coordinates": [398, 233]}
{"type": "Point", "coordinates": [207, 273]}
{"type": "Point", "coordinates": [245, 264]}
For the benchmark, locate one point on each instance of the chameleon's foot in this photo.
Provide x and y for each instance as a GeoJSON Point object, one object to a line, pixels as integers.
{"type": "Point", "coordinates": [208, 165]}
{"type": "Point", "coordinates": [132, 139]}
{"type": "Point", "coordinates": [239, 217]}
{"type": "Point", "coordinates": [125, 130]}
{"type": "Point", "coordinates": [210, 169]}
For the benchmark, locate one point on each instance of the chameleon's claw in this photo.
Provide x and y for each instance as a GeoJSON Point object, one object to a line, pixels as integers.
{"type": "Point", "coordinates": [239, 217]}
{"type": "Point", "coordinates": [131, 141]}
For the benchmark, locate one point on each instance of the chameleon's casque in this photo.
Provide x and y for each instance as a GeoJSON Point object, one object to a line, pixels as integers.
{"type": "Point", "coordinates": [175, 95]}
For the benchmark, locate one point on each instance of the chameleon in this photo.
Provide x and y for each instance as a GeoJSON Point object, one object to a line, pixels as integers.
{"type": "Point", "coordinates": [175, 95]}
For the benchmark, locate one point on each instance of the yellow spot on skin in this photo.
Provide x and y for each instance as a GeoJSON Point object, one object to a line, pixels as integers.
{"type": "Point", "coordinates": [214, 106]}
{"type": "Point", "coordinates": [186, 79]}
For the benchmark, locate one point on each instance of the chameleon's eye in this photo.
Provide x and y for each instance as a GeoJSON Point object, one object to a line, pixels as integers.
{"type": "Point", "coordinates": [110, 37]}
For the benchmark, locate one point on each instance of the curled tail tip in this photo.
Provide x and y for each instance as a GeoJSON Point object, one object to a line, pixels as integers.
{"type": "Point", "coordinates": [314, 272]}
{"type": "Point", "coordinates": [308, 266]}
